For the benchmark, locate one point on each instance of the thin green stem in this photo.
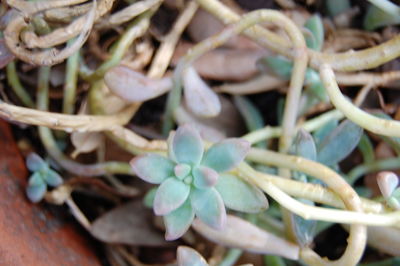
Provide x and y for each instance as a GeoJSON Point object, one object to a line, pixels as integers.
{"type": "Point", "coordinates": [135, 30]}
{"type": "Point", "coordinates": [50, 144]}
{"type": "Point", "coordinates": [71, 79]}
{"type": "Point", "coordinates": [231, 257]}
{"type": "Point", "coordinates": [248, 20]}
{"type": "Point", "coordinates": [370, 167]}
{"type": "Point", "coordinates": [17, 87]}
{"type": "Point", "coordinates": [347, 61]}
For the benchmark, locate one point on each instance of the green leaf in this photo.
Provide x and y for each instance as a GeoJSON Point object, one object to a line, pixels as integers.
{"type": "Point", "coordinates": [304, 145]}
{"type": "Point", "coordinates": [187, 145]}
{"type": "Point", "coordinates": [335, 7]}
{"type": "Point", "coordinates": [52, 178]}
{"type": "Point", "coordinates": [314, 24]}
{"type": "Point", "coordinates": [340, 143]}
{"type": "Point", "coordinates": [34, 162]}
{"type": "Point", "coordinates": [251, 115]}
{"type": "Point", "coordinates": [226, 154]}
{"type": "Point", "coordinates": [170, 195]}
{"type": "Point", "coordinates": [239, 195]}
{"type": "Point", "coordinates": [279, 65]}
{"type": "Point", "coordinates": [318, 90]}
{"type": "Point", "coordinates": [189, 257]}
{"type": "Point", "coordinates": [152, 168]}
{"type": "Point", "coordinates": [304, 229]}
{"type": "Point", "coordinates": [178, 221]}
{"type": "Point", "coordinates": [148, 199]}
{"type": "Point", "coordinates": [209, 207]}
{"type": "Point", "coordinates": [376, 18]}
{"type": "Point", "coordinates": [367, 149]}
{"type": "Point", "coordinates": [36, 188]}
{"type": "Point", "coordinates": [324, 131]}
{"type": "Point", "coordinates": [204, 177]}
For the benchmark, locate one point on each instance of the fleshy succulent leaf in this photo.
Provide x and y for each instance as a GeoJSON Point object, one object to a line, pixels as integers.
{"type": "Point", "coordinates": [36, 179]}
{"type": "Point", "coordinates": [52, 178]}
{"type": "Point", "coordinates": [304, 229]}
{"type": "Point", "coordinates": [239, 195]}
{"type": "Point", "coordinates": [209, 207]}
{"type": "Point", "coordinates": [304, 145]}
{"type": "Point", "coordinates": [36, 188]}
{"type": "Point", "coordinates": [34, 162]}
{"type": "Point", "coordinates": [152, 168]}
{"type": "Point", "coordinates": [387, 182]}
{"type": "Point", "coordinates": [170, 195]}
{"type": "Point", "coordinates": [226, 154]}
{"type": "Point", "coordinates": [201, 99]}
{"type": "Point", "coordinates": [133, 86]}
{"type": "Point", "coordinates": [204, 177]}
{"type": "Point", "coordinates": [187, 256]}
{"type": "Point", "coordinates": [36, 193]}
{"type": "Point", "coordinates": [187, 145]}
{"type": "Point", "coordinates": [182, 170]}
{"type": "Point", "coordinates": [339, 143]}
{"type": "Point", "coordinates": [148, 199]}
{"type": "Point", "coordinates": [376, 17]}
{"type": "Point", "coordinates": [324, 131]}
{"type": "Point", "coordinates": [178, 221]}
{"type": "Point", "coordinates": [314, 24]}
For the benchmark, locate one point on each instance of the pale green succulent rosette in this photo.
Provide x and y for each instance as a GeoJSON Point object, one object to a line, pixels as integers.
{"type": "Point", "coordinates": [190, 183]}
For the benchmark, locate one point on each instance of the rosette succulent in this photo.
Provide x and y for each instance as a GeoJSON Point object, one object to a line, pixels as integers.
{"type": "Point", "coordinates": [191, 184]}
{"type": "Point", "coordinates": [42, 176]}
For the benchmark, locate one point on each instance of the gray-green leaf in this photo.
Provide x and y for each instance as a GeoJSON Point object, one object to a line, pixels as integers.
{"type": "Point", "coordinates": [339, 143]}
{"type": "Point", "coordinates": [304, 145]}
{"type": "Point", "coordinates": [314, 24]}
{"type": "Point", "coordinates": [239, 195]}
{"type": "Point", "coordinates": [178, 221]}
{"type": "Point", "coordinates": [226, 154]}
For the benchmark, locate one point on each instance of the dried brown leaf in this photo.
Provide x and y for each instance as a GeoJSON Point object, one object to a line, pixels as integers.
{"type": "Point", "coordinates": [128, 224]}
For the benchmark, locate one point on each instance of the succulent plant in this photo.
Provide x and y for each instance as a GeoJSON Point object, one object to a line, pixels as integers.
{"type": "Point", "coordinates": [42, 176]}
{"type": "Point", "coordinates": [190, 183]}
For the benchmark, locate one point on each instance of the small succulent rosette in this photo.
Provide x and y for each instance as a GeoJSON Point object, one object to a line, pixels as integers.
{"type": "Point", "coordinates": [42, 176]}
{"type": "Point", "coordinates": [191, 183]}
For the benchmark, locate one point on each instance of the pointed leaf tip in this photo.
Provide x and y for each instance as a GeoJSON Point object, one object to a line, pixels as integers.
{"type": "Point", "coordinates": [209, 207]}
{"type": "Point", "coordinates": [201, 99]}
{"type": "Point", "coordinates": [304, 145]}
{"type": "Point", "coordinates": [187, 256]}
{"type": "Point", "coordinates": [36, 188]}
{"type": "Point", "coordinates": [152, 168]}
{"type": "Point", "coordinates": [387, 182]}
{"type": "Point", "coordinates": [133, 86]}
{"type": "Point", "coordinates": [204, 177]}
{"type": "Point", "coordinates": [53, 179]}
{"type": "Point", "coordinates": [171, 194]}
{"type": "Point", "coordinates": [178, 221]}
{"type": "Point", "coordinates": [339, 143]}
{"type": "Point", "coordinates": [34, 162]}
{"type": "Point", "coordinates": [226, 154]}
{"type": "Point", "coordinates": [187, 145]}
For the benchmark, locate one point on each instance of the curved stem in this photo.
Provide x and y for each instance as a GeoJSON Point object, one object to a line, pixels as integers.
{"type": "Point", "coordinates": [135, 30]}
{"type": "Point", "coordinates": [348, 61]}
{"type": "Point", "coordinates": [71, 79]}
{"type": "Point", "coordinates": [363, 119]}
{"type": "Point", "coordinates": [379, 165]}
{"type": "Point", "coordinates": [51, 146]}
{"type": "Point", "coordinates": [248, 20]}
{"type": "Point", "coordinates": [165, 51]}
{"type": "Point", "coordinates": [357, 238]}
{"type": "Point", "coordinates": [17, 87]}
